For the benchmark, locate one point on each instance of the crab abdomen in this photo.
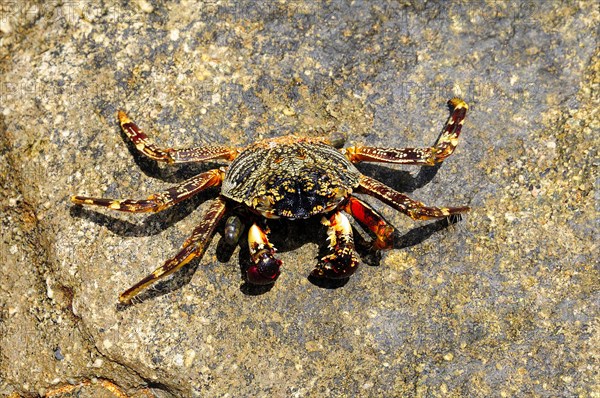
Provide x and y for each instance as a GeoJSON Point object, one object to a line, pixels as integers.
{"type": "Point", "coordinates": [290, 177]}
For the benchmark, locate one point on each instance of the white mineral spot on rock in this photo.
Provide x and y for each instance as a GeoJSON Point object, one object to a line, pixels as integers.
{"type": "Point", "coordinates": [444, 388]}
{"type": "Point", "coordinates": [289, 112]}
{"type": "Point", "coordinates": [107, 344]}
{"type": "Point", "coordinates": [189, 357]}
{"type": "Point", "coordinates": [313, 346]}
{"type": "Point", "coordinates": [145, 6]}
{"type": "Point", "coordinates": [367, 385]}
{"type": "Point", "coordinates": [99, 39]}
{"type": "Point", "coordinates": [178, 360]}
{"type": "Point", "coordinates": [49, 291]}
{"type": "Point", "coordinates": [5, 26]}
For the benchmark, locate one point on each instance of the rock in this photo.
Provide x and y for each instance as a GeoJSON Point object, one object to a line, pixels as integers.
{"type": "Point", "coordinates": [503, 302]}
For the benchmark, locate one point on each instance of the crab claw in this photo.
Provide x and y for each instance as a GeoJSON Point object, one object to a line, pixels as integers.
{"type": "Point", "coordinates": [342, 262]}
{"type": "Point", "coordinates": [264, 269]}
{"type": "Point", "coordinates": [336, 266]}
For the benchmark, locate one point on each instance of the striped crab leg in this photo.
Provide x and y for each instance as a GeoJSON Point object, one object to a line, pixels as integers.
{"type": "Point", "coordinates": [369, 218]}
{"type": "Point", "coordinates": [428, 156]}
{"type": "Point", "coordinates": [170, 155]}
{"type": "Point", "coordinates": [412, 208]}
{"type": "Point", "coordinates": [158, 201]}
{"type": "Point", "coordinates": [194, 246]}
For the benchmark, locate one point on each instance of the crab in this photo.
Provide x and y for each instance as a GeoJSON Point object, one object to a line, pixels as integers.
{"type": "Point", "coordinates": [291, 177]}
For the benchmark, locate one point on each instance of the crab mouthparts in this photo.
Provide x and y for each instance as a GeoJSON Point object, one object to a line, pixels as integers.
{"type": "Point", "coordinates": [299, 197]}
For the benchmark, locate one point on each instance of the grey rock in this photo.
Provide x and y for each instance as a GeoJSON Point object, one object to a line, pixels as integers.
{"type": "Point", "coordinates": [503, 303]}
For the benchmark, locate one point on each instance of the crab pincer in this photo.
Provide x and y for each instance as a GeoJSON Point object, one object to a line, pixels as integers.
{"type": "Point", "coordinates": [342, 261]}
{"type": "Point", "coordinates": [264, 267]}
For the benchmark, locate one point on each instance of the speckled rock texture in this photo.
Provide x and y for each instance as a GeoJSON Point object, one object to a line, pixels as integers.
{"type": "Point", "coordinates": [501, 304]}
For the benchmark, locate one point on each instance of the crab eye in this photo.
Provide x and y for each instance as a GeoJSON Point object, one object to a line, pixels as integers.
{"type": "Point", "coordinates": [263, 202]}
{"type": "Point", "coordinates": [233, 230]}
{"type": "Point", "coordinates": [340, 193]}
{"type": "Point", "coordinates": [337, 139]}
{"type": "Point", "coordinates": [265, 271]}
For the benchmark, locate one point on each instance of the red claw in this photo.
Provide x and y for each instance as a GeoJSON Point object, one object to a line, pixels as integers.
{"type": "Point", "coordinates": [266, 269]}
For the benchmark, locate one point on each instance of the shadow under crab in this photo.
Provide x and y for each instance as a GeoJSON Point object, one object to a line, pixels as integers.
{"type": "Point", "coordinates": [290, 177]}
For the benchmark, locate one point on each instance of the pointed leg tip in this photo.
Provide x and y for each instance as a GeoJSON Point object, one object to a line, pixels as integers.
{"type": "Point", "coordinates": [78, 200]}
{"type": "Point", "coordinates": [458, 103]}
{"type": "Point", "coordinates": [123, 118]}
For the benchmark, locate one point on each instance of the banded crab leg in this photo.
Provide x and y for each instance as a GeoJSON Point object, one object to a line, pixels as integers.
{"type": "Point", "coordinates": [428, 156]}
{"type": "Point", "coordinates": [412, 208]}
{"type": "Point", "coordinates": [170, 155]}
{"type": "Point", "coordinates": [158, 201]}
{"type": "Point", "coordinates": [342, 262]}
{"type": "Point", "coordinates": [369, 218]}
{"type": "Point", "coordinates": [194, 246]}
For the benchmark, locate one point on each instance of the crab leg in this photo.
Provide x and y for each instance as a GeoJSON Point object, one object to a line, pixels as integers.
{"type": "Point", "coordinates": [412, 208]}
{"type": "Point", "coordinates": [342, 262]}
{"type": "Point", "coordinates": [170, 155]}
{"type": "Point", "coordinates": [194, 246]}
{"type": "Point", "coordinates": [368, 217]}
{"type": "Point", "coordinates": [264, 269]}
{"type": "Point", "coordinates": [418, 156]}
{"type": "Point", "coordinates": [158, 201]}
